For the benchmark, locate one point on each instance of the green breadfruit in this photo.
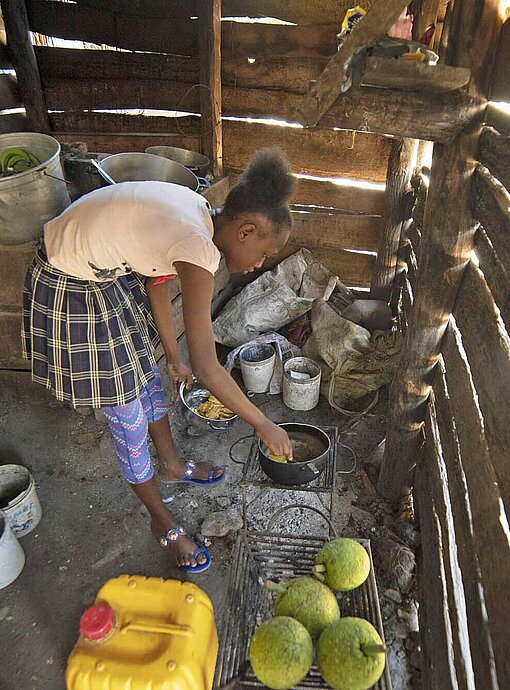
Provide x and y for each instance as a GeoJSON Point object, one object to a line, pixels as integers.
{"type": "Point", "coordinates": [342, 564]}
{"type": "Point", "coordinates": [281, 652]}
{"type": "Point", "coordinates": [351, 654]}
{"type": "Point", "coordinates": [308, 601]}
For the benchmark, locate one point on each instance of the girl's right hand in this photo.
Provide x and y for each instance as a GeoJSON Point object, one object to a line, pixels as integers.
{"type": "Point", "coordinates": [275, 438]}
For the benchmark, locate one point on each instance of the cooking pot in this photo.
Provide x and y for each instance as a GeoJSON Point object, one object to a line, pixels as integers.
{"type": "Point", "coordinates": [196, 162]}
{"type": "Point", "coordinates": [311, 447]}
{"type": "Point", "coordinates": [190, 398]}
{"type": "Point", "coordinates": [133, 167]}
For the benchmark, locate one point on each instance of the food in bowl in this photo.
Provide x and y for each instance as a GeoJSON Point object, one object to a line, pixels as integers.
{"type": "Point", "coordinates": [212, 408]}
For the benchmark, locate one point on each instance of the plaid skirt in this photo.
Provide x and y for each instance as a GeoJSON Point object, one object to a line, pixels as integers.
{"type": "Point", "coordinates": [89, 343]}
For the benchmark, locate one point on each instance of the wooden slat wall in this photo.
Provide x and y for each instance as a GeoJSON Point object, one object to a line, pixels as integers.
{"type": "Point", "coordinates": [462, 488]}
{"type": "Point", "coordinates": [283, 59]}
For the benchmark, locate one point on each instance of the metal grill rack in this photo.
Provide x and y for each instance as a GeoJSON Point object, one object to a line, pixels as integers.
{"type": "Point", "coordinates": [323, 487]}
{"type": "Point", "coordinates": [263, 555]}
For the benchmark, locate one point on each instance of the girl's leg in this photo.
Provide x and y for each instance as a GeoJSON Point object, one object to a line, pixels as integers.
{"type": "Point", "coordinates": [128, 424]}
{"type": "Point", "coordinates": [171, 466]}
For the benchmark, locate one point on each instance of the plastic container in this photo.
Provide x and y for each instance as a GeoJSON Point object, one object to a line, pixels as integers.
{"type": "Point", "coordinates": [301, 383]}
{"type": "Point", "coordinates": [257, 366]}
{"type": "Point", "coordinates": [30, 199]}
{"type": "Point", "coordinates": [145, 634]}
{"type": "Point", "coordinates": [12, 556]}
{"type": "Point", "coordinates": [18, 499]}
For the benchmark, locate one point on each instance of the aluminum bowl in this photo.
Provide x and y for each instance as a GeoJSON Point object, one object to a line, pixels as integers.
{"type": "Point", "coordinates": [190, 398]}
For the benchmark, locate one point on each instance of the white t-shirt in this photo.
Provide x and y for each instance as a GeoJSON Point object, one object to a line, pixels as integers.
{"type": "Point", "coordinates": [132, 226]}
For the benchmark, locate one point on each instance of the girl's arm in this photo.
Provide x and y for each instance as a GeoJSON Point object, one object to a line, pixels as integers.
{"type": "Point", "coordinates": [197, 289]}
{"type": "Point", "coordinates": [161, 307]}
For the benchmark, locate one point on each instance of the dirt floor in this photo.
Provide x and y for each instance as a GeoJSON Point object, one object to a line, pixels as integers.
{"type": "Point", "coordinates": [93, 528]}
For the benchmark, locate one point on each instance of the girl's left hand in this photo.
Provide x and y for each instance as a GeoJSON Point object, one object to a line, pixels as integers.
{"type": "Point", "coordinates": [180, 373]}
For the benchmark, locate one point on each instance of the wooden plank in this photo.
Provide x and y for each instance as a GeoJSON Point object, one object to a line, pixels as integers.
{"type": "Point", "coordinates": [299, 11]}
{"type": "Point", "coordinates": [451, 481]}
{"type": "Point", "coordinates": [487, 347]}
{"type": "Point", "coordinates": [10, 341]}
{"type": "Point", "coordinates": [491, 206]}
{"type": "Point", "coordinates": [209, 21]}
{"type": "Point", "coordinates": [82, 23]}
{"type": "Point", "coordinates": [487, 527]}
{"type": "Point", "coordinates": [14, 122]}
{"type": "Point", "coordinates": [494, 154]}
{"type": "Point", "coordinates": [435, 622]}
{"type": "Point", "coordinates": [358, 232]}
{"type": "Point", "coordinates": [500, 90]}
{"type": "Point", "coordinates": [9, 92]}
{"type": "Point", "coordinates": [159, 9]}
{"type": "Point", "coordinates": [330, 84]}
{"type": "Point", "coordinates": [217, 193]}
{"type": "Point", "coordinates": [313, 152]}
{"type": "Point", "coordinates": [19, 42]}
{"type": "Point", "coordinates": [323, 153]}
{"type": "Point", "coordinates": [254, 40]}
{"type": "Point", "coordinates": [398, 177]}
{"type": "Point", "coordinates": [67, 63]}
{"type": "Point", "coordinates": [425, 16]}
{"type": "Point", "coordinates": [287, 74]}
{"type": "Point", "coordinates": [496, 275]}
{"type": "Point", "coordinates": [497, 118]}
{"type": "Point", "coordinates": [399, 74]}
{"type": "Point", "coordinates": [446, 247]}
{"type": "Point", "coordinates": [347, 198]}
{"type": "Point", "coordinates": [94, 122]}
{"type": "Point", "coordinates": [384, 111]}
{"type": "Point", "coordinates": [120, 143]}
{"type": "Point", "coordinates": [353, 269]}
{"type": "Point", "coordinates": [14, 262]}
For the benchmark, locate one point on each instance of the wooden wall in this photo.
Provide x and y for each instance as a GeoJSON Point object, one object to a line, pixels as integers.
{"type": "Point", "coordinates": [264, 67]}
{"type": "Point", "coordinates": [462, 486]}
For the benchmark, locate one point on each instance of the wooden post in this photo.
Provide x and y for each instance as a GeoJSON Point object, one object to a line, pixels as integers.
{"type": "Point", "coordinates": [424, 17]}
{"type": "Point", "coordinates": [23, 59]}
{"type": "Point", "coordinates": [446, 246]}
{"type": "Point", "coordinates": [400, 169]}
{"type": "Point", "coordinates": [210, 81]}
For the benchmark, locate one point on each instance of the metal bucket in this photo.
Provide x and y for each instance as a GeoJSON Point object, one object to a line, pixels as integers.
{"type": "Point", "coordinates": [30, 199]}
{"type": "Point", "coordinates": [190, 398]}
{"type": "Point", "coordinates": [18, 499]}
{"type": "Point", "coordinates": [301, 383]}
{"type": "Point", "coordinates": [196, 162]}
{"type": "Point", "coordinates": [139, 167]}
{"type": "Point", "coordinates": [12, 556]}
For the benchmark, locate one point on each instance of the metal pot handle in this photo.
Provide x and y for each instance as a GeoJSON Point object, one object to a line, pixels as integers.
{"type": "Point", "coordinates": [291, 506]}
{"type": "Point", "coordinates": [203, 183]}
{"type": "Point", "coordinates": [230, 454]}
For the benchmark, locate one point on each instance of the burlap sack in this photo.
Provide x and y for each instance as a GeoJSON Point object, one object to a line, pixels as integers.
{"type": "Point", "coordinates": [354, 362]}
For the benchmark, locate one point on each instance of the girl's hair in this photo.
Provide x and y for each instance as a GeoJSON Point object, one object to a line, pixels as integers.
{"type": "Point", "coordinates": [265, 187]}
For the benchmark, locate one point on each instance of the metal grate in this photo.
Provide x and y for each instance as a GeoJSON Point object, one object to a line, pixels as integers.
{"type": "Point", "coordinates": [325, 482]}
{"type": "Point", "coordinates": [257, 557]}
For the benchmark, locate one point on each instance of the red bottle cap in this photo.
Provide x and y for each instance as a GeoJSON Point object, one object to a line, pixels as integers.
{"type": "Point", "coordinates": [97, 621]}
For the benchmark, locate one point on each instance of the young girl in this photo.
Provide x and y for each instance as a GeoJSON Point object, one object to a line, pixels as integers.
{"type": "Point", "coordinates": [90, 331]}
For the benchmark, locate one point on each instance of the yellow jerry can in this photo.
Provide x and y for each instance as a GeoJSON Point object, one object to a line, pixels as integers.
{"type": "Point", "coordinates": [145, 633]}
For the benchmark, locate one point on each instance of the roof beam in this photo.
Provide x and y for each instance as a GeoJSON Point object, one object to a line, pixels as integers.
{"type": "Point", "coordinates": [381, 17]}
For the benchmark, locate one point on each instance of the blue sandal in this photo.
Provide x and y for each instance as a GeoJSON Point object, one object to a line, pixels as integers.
{"type": "Point", "coordinates": [173, 536]}
{"type": "Point", "coordinates": [188, 478]}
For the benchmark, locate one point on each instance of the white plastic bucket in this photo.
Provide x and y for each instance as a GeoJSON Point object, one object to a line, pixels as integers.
{"type": "Point", "coordinates": [301, 383]}
{"type": "Point", "coordinates": [257, 366]}
{"type": "Point", "coordinates": [18, 499]}
{"type": "Point", "coordinates": [12, 556]}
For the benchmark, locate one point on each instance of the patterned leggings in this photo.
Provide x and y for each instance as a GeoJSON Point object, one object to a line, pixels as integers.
{"type": "Point", "coordinates": [129, 427]}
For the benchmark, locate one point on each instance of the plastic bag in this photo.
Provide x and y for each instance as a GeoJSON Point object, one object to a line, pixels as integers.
{"type": "Point", "coordinates": [274, 299]}
{"type": "Point", "coordinates": [284, 351]}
